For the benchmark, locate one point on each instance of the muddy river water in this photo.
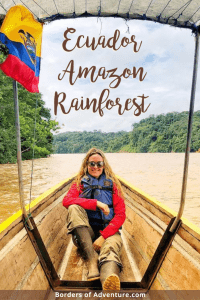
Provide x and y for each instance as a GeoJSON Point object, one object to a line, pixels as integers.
{"type": "Point", "coordinates": [159, 175]}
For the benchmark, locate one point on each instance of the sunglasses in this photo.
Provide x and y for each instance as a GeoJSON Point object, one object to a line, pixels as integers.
{"type": "Point", "coordinates": [99, 164]}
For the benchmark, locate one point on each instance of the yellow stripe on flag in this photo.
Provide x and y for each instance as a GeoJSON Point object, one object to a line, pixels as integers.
{"type": "Point", "coordinates": [20, 18]}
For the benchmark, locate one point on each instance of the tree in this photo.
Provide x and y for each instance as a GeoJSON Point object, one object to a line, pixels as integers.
{"type": "Point", "coordinates": [162, 133]}
{"type": "Point", "coordinates": [44, 125]}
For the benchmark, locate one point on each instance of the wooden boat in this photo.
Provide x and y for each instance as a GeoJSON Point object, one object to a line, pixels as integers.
{"type": "Point", "coordinates": [147, 219]}
{"type": "Point", "coordinates": [160, 252]}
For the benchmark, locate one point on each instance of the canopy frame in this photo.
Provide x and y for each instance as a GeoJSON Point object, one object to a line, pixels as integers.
{"type": "Point", "coordinates": [157, 19]}
{"type": "Point", "coordinates": [171, 230]}
{"type": "Point", "coordinates": [62, 285]}
{"type": "Point", "coordinates": [164, 245]}
{"type": "Point", "coordinates": [183, 14]}
{"type": "Point", "coordinates": [189, 132]}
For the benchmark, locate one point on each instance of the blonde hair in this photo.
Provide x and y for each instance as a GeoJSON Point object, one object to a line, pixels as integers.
{"type": "Point", "coordinates": [107, 169]}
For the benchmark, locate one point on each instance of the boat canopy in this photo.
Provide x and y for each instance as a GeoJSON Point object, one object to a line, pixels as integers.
{"type": "Point", "coordinates": [178, 13]}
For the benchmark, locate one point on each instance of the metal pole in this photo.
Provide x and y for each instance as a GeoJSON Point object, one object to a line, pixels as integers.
{"type": "Point", "coordinates": [189, 133]}
{"type": "Point", "coordinates": [19, 163]}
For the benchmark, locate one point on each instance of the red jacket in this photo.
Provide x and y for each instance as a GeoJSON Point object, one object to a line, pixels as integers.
{"type": "Point", "coordinates": [72, 197]}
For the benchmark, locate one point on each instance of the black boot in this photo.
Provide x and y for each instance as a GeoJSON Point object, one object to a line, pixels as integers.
{"type": "Point", "coordinates": [84, 241]}
{"type": "Point", "coordinates": [109, 276]}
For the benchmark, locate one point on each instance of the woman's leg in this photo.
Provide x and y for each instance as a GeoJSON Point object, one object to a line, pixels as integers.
{"type": "Point", "coordinates": [76, 217]}
{"type": "Point", "coordinates": [78, 225]}
{"type": "Point", "coordinates": [110, 262]}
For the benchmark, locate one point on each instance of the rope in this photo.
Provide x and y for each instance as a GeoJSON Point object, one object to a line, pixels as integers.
{"type": "Point", "coordinates": [165, 7]}
{"type": "Point", "coordinates": [128, 31]}
{"type": "Point", "coordinates": [194, 14]}
{"type": "Point", "coordinates": [184, 9]}
{"type": "Point", "coordinates": [29, 9]}
{"type": "Point", "coordinates": [101, 25]}
{"type": "Point", "coordinates": [13, 2]}
{"type": "Point", "coordinates": [148, 7]}
{"type": "Point", "coordinates": [41, 7]}
{"type": "Point", "coordinates": [98, 19]}
{"type": "Point", "coordinates": [118, 6]}
{"type": "Point", "coordinates": [130, 7]}
{"type": "Point", "coordinates": [74, 14]}
{"type": "Point", "coordinates": [180, 9]}
{"type": "Point", "coordinates": [55, 6]}
{"type": "Point", "coordinates": [34, 134]}
{"type": "Point", "coordinates": [99, 9]}
{"type": "Point", "coordinates": [25, 221]}
{"type": "Point", "coordinates": [3, 7]}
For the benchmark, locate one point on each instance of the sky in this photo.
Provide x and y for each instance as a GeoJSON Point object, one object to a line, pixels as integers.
{"type": "Point", "coordinates": [166, 55]}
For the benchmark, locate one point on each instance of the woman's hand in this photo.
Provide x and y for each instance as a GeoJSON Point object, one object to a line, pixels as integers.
{"type": "Point", "coordinates": [104, 207]}
{"type": "Point", "coordinates": [98, 243]}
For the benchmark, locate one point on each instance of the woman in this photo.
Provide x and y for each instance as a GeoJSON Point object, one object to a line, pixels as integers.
{"type": "Point", "coordinates": [96, 212]}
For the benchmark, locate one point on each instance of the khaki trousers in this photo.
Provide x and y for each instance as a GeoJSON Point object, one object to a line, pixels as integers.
{"type": "Point", "coordinates": [111, 248]}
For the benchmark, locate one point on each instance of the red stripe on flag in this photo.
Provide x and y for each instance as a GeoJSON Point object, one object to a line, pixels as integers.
{"type": "Point", "coordinates": [19, 71]}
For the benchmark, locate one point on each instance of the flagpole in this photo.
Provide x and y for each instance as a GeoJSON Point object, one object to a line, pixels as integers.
{"type": "Point", "coordinates": [19, 155]}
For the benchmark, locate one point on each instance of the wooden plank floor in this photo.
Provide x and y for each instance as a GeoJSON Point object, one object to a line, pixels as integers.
{"type": "Point", "coordinates": [75, 268]}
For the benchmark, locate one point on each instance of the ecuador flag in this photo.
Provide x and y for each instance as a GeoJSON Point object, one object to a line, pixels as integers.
{"type": "Point", "coordinates": [22, 35]}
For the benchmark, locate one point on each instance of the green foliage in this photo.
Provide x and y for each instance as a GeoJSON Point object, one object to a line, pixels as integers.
{"type": "Point", "coordinates": [27, 104]}
{"type": "Point", "coordinates": [81, 142]}
{"type": "Point", "coordinates": [162, 133]}
{"type": "Point", "coordinates": [165, 133]}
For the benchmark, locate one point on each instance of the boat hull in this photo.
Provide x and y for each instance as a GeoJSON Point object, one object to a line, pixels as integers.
{"type": "Point", "coordinates": [142, 231]}
{"type": "Point", "coordinates": [144, 227]}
